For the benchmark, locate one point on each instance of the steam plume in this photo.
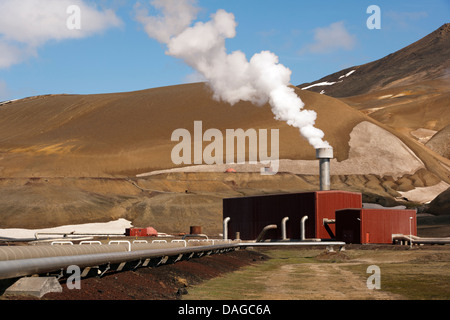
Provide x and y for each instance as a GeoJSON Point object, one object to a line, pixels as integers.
{"type": "Point", "coordinates": [230, 75]}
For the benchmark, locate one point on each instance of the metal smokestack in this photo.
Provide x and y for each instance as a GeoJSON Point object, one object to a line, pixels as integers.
{"type": "Point", "coordinates": [324, 155]}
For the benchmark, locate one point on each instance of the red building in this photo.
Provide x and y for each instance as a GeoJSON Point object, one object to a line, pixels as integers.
{"type": "Point", "coordinates": [141, 232]}
{"type": "Point", "coordinates": [249, 215]}
{"type": "Point", "coordinates": [374, 225]}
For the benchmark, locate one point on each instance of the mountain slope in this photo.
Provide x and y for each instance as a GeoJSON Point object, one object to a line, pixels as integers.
{"type": "Point", "coordinates": [409, 90]}
{"type": "Point", "coordinates": [426, 59]}
{"type": "Point", "coordinates": [130, 133]}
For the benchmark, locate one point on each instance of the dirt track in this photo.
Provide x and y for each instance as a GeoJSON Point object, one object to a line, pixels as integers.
{"type": "Point", "coordinates": [321, 282]}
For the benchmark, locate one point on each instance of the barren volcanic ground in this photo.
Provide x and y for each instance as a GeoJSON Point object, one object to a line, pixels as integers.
{"type": "Point", "coordinates": [79, 159]}
{"type": "Point", "coordinates": [70, 159]}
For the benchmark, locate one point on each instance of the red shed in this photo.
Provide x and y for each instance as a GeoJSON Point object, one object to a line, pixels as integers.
{"type": "Point", "coordinates": [249, 215]}
{"type": "Point", "coordinates": [141, 232]}
{"type": "Point", "coordinates": [374, 225]}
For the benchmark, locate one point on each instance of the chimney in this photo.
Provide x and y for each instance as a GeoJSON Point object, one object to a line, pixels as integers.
{"type": "Point", "coordinates": [324, 155]}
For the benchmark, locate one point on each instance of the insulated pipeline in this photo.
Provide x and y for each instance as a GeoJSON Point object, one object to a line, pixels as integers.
{"type": "Point", "coordinates": [24, 267]}
{"type": "Point", "coordinates": [420, 240]}
{"type": "Point", "coordinates": [42, 251]}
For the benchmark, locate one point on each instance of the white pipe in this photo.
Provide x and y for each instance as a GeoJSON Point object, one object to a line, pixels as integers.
{"type": "Point", "coordinates": [410, 233]}
{"type": "Point", "coordinates": [303, 237]}
{"type": "Point", "coordinates": [298, 243]}
{"type": "Point", "coordinates": [325, 183]}
{"type": "Point", "coordinates": [283, 228]}
{"type": "Point", "coordinates": [225, 227]}
{"type": "Point", "coordinates": [264, 231]}
{"type": "Point", "coordinates": [419, 240]}
{"type": "Point", "coordinates": [195, 235]}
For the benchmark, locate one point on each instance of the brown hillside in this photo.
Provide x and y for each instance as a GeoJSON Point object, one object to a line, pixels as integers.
{"type": "Point", "coordinates": [407, 91]}
{"type": "Point", "coordinates": [423, 105]}
{"type": "Point", "coordinates": [426, 59]}
{"type": "Point", "coordinates": [130, 133]}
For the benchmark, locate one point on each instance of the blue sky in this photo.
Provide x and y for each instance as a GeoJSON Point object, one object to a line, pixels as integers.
{"type": "Point", "coordinates": [115, 54]}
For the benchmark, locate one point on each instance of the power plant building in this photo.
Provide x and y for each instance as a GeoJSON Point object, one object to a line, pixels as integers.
{"type": "Point", "coordinates": [375, 226]}
{"type": "Point", "coordinates": [250, 215]}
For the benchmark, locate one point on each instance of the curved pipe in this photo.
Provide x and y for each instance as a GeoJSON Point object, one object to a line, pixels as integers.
{"type": "Point", "coordinates": [195, 235]}
{"type": "Point", "coordinates": [264, 231]}
{"type": "Point", "coordinates": [303, 228]}
{"type": "Point", "coordinates": [225, 227]}
{"type": "Point", "coordinates": [283, 228]}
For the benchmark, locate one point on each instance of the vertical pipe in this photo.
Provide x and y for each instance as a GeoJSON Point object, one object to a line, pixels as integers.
{"type": "Point", "coordinates": [324, 155]}
{"type": "Point", "coordinates": [283, 228]}
{"type": "Point", "coordinates": [410, 232]}
{"type": "Point", "coordinates": [325, 174]}
{"type": "Point", "coordinates": [225, 228]}
{"type": "Point", "coordinates": [303, 237]}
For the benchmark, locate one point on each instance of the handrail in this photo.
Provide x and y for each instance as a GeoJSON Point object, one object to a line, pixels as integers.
{"type": "Point", "coordinates": [159, 241]}
{"type": "Point", "coordinates": [121, 241]}
{"type": "Point", "coordinates": [140, 241]}
{"type": "Point", "coordinates": [89, 242]}
{"type": "Point", "coordinates": [180, 241]}
{"type": "Point", "coordinates": [62, 242]}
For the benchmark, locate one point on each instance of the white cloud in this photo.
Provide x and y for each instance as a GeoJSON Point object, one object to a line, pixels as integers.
{"type": "Point", "coordinates": [12, 54]}
{"type": "Point", "coordinates": [332, 38]}
{"type": "Point", "coordinates": [26, 25]}
{"type": "Point", "coordinates": [175, 16]}
{"type": "Point", "coordinates": [231, 76]}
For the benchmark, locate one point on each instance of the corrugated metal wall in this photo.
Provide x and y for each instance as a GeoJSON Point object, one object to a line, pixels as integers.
{"type": "Point", "coordinates": [249, 215]}
{"type": "Point", "coordinates": [327, 204]}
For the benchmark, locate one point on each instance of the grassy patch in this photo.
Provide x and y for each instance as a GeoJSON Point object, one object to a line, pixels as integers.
{"type": "Point", "coordinates": [415, 274]}
{"type": "Point", "coordinates": [417, 282]}
{"type": "Point", "coordinates": [414, 279]}
{"type": "Point", "coordinates": [246, 283]}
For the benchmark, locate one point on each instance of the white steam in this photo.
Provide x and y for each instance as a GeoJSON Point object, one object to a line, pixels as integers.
{"type": "Point", "coordinates": [230, 75]}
